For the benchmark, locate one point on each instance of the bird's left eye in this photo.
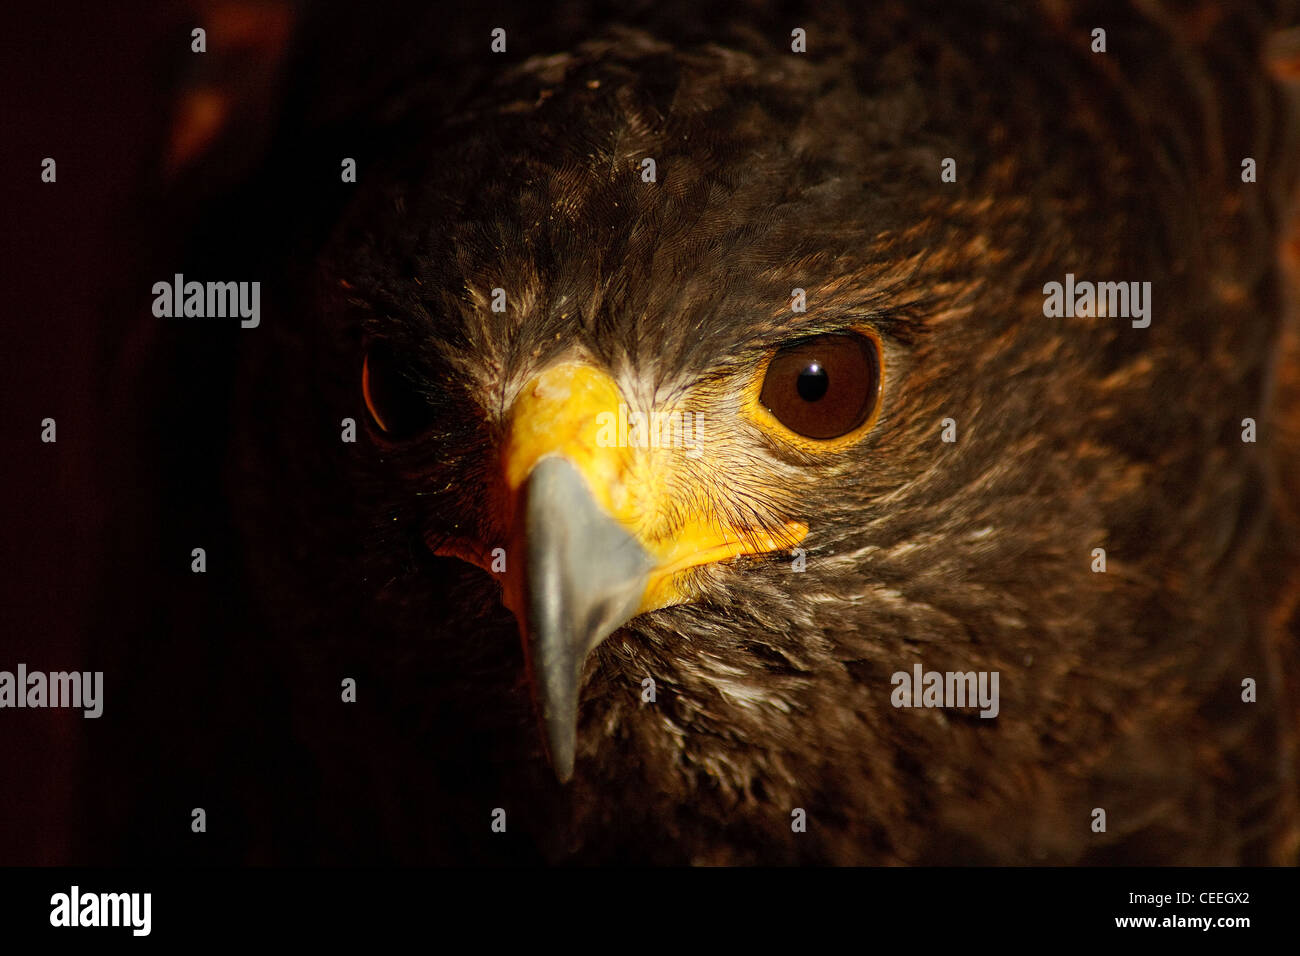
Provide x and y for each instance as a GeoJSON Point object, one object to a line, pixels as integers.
{"type": "Point", "coordinates": [823, 387]}
{"type": "Point", "coordinates": [395, 403]}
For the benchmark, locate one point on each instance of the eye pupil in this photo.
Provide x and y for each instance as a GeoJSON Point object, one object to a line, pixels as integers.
{"type": "Point", "coordinates": [813, 383]}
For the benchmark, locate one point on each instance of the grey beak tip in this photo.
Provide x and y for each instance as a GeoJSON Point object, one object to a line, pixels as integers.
{"type": "Point", "coordinates": [562, 732]}
{"type": "Point", "coordinates": [563, 769]}
{"type": "Point", "coordinates": [585, 578]}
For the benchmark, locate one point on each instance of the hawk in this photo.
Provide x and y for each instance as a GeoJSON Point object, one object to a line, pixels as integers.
{"type": "Point", "coordinates": [702, 382]}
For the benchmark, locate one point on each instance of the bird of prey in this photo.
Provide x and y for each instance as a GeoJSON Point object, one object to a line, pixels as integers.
{"type": "Point", "coordinates": [703, 382]}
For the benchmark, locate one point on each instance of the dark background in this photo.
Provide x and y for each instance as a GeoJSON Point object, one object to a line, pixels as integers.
{"type": "Point", "coordinates": [89, 89]}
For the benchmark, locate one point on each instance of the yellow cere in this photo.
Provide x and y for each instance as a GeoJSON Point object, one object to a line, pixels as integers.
{"type": "Point", "coordinates": [561, 412]}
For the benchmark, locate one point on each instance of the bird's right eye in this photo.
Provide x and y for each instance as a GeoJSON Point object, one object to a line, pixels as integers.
{"type": "Point", "coordinates": [396, 404]}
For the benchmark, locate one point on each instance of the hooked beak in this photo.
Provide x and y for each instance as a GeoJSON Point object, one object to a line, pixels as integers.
{"type": "Point", "coordinates": [589, 545]}
{"type": "Point", "coordinates": [585, 578]}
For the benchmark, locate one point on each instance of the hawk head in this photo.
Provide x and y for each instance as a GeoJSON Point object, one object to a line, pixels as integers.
{"type": "Point", "coordinates": [697, 403]}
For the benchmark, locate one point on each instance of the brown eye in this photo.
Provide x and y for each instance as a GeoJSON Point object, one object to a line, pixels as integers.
{"type": "Point", "coordinates": [392, 395]}
{"type": "Point", "coordinates": [823, 387]}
